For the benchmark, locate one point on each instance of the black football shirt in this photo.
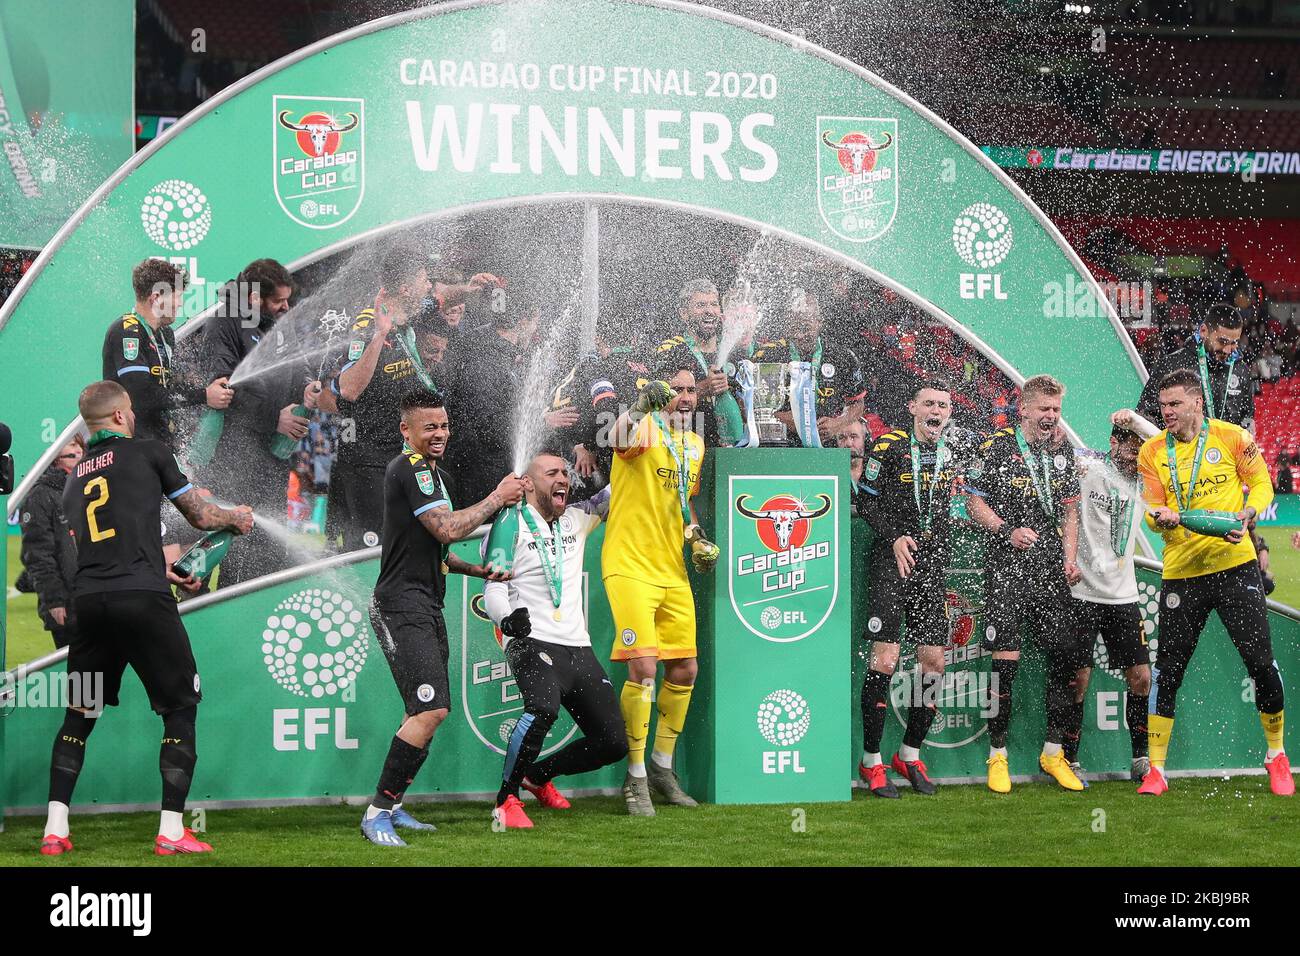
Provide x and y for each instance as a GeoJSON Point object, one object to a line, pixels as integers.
{"type": "Point", "coordinates": [111, 501]}
{"type": "Point", "coordinates": [411, 578]}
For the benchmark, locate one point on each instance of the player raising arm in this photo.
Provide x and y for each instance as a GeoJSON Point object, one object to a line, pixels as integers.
{"type": "Point", "coordinates": [651, 518]}
{"type": "Point", "coordinates": [406, 612]}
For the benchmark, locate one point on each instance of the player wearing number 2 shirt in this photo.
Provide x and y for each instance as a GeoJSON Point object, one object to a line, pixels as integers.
{"type": "Point", "coordinates": [125, 606]}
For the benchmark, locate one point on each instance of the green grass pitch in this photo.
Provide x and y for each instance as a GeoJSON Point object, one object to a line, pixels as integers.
{"type": "Point", "coordinates": [1200, 822]}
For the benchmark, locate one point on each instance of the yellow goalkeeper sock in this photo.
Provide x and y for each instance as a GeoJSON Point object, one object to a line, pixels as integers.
{"type": "Point", "coordinates": [1159, 730]}
{"type": "Point", "coordinates": [634, 702]}
{"type": "Point", "coordinates": [1272, 724]}
{"type": "Point", "coordinates": [674, 700]}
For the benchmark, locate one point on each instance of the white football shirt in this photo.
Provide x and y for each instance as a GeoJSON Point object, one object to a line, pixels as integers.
{"type": "Point", "coordinates": [1107, 577]}
{"type": "Point", "coordinates": [528, 587]}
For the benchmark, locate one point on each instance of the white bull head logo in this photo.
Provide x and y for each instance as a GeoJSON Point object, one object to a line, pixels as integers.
{"type": "Point", "coordinates": [856, 152]}
{"type": "Point", "coordinates": [319, 131]}
{"type": "Point", "coordinates": [783, 519]}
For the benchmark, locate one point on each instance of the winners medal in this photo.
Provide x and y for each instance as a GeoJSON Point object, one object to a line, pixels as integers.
{"type": "Point", "coordinates": [1042, 486]}
{"type": "Point", "coordinates": [552, 565]}
{"type": "Point", "coordinates": [925, 518]}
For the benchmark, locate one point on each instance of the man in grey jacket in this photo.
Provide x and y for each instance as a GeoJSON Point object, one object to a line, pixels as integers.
{"type": "Point", "coordinates": [48, 551]}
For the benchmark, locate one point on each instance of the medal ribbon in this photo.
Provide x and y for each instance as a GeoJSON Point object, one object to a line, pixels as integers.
{"type": "Point", "coordinates": [1043, 485]}
{"type": "Point", "coordinates": [683, 467]}
{"type": "Point", "coordinates": [926, 516]}
{"type": "Point", "coordinates": [104, 434]}
{"type": "Point", "coordinates": [1196, 465]}
{"type": "Point", "coordinates": [164, 350]}
{"type": "Point", "coordinates": [1121, 524]}
{"type": "Point", "coordinates": [553, 569]}
{"type": "Point", "coordinates": [1205, 380]}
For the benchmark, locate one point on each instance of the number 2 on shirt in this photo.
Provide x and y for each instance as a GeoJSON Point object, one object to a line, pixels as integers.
{"type": "Point", "coordinates": [100, 484]}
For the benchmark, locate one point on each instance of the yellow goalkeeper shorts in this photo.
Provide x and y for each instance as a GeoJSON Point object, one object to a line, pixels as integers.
{"type": "Point", "coordinates": [650, 621]}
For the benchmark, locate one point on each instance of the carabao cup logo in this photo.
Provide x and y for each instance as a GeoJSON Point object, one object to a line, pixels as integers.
{"type": "Point", "coordinates": [319, 158]}
{"type": "Point", "coordinates": [784, 718]}
{"type": "Point", "coordinates": [315, 643]}
{"type": "Point", "coordinates": [783, 563]}
{"type": "Point", "coordinates": [857, 175]}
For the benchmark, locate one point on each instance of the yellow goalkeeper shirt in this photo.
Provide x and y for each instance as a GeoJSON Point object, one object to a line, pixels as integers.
{"type": "Point", "coordinates": [644, 533]}
{"type": "Point", "coordinates": [1231, 464]}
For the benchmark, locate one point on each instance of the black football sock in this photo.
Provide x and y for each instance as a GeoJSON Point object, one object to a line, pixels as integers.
{"type": "Point", "coordinates": [1004, 672]}
{"type": "Point", "coordinates": [874, 687]}
{"type": "Point", "coordinates": [1135, 713]}
{"type": "Point", "coordinates": [69, 755]}
{"type": "Point", "coordinates": [177, 757]}
{"type": "Point", "coordinates": [400, 767]}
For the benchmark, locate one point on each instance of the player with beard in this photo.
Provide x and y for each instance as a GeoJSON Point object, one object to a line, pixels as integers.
{"type": "Point", "coordinates": [1227, 383]}
{"type": "Point", "coordinates": [1105, 598]}
{"type": "Point", "coordinates": [124, 607]}
{"type": "Point", "coordinates": [540, 615]}
{"type": "Point", "coordinates": [1203, 463]}
{"type": "Point", "coordinates": [908, 479]}
{"type": "Point", "coordinates": [383, 363]}
{"type": "Point", "coordinates": [651, 520]}
{"type": "Point", "coordinates": [696, 347]}
{"type": "Point", "coordinates": [406, 613]}
{"type": "Point", "coordinates": [1025, 490]}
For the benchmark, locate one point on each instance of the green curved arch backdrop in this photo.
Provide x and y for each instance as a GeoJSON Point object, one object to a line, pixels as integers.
{"type": "Point", "coordinates": [484, 102]}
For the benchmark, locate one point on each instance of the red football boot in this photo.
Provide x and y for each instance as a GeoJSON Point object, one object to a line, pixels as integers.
{"type": "Point", "coordinates": [511, 815]}
{"type": "Point", "coordinates": [877, 780]}
{"type": "Point", "coordinates": [1153, 784]}
{"type": "Point", "coordinates": [1279, 777]}
{"type": "Point", "coordinates": [547, 795]}
{"type": "Point", "coordinates": [55, 845]}
{"type": "Point", "coordinates": [186, 844]}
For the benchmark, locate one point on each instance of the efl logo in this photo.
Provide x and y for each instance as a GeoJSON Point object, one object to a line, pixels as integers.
{"type": "Point", "coordinates": [784, 543]}
{"type": "Point", "coordinates": [857, 175]}
{"type": "Point", "coordinates": [982, 237]}
{"type": "Point", "coordinates": [319, 158]}
{"type": "Point", "coordinates": [783, 719]}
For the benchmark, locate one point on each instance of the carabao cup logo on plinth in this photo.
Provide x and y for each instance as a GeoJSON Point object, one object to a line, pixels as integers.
{"type": "Point", "coordinates": [315, 643]}
{"type": "Point", "coordinates": [489, 693]}
{"type": "Point", "coordinates": [176, 215]}
{"type": "Point", "coordinates": [320, 174]}
{"type": "Point", "coordinates": [783, 568]}
{"type": "Point", "coordinates": [857, 175]}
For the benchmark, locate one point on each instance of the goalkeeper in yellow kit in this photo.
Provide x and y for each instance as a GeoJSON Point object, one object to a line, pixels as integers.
{"type": "Point", "coordinates": [655, 474]}
{"type": "Point", "coordinates": [1202, 464]}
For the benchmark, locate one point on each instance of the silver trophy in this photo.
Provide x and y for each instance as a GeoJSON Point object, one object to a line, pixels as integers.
{"type": "Point", "coordinates": [771, 389]}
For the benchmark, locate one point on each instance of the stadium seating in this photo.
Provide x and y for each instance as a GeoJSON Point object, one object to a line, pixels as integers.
{"type": "Point", "coordinates": [1277, 419]}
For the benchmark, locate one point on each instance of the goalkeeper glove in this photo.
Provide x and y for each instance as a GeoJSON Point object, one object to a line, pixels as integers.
{"type": "Point", "coordinates": [704, 553]}
{"type": "Point", "coordinates": [653, 397]}
{"type": "Point", "coordinates": [516, 623]}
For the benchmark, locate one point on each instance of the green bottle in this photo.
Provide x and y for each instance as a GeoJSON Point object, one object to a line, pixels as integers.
{"type": "Point", "coordinates": [203, 445]}
{"type": "Point", "coordinates": [202, 559]}
{"type": "Point", "coordinates": [282, 446]}
{"type": "Point", "coordinates": [501, 540]}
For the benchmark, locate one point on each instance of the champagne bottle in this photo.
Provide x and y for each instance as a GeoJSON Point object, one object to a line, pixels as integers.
{"type": "Point", "coordinates": [203, 558]}
{"type": "Point", "coordinates": [203, 445]}
{"type": "Point", "coordinates": [501, 540]}
{"type": "Point", "coordinates": [282, 446]}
